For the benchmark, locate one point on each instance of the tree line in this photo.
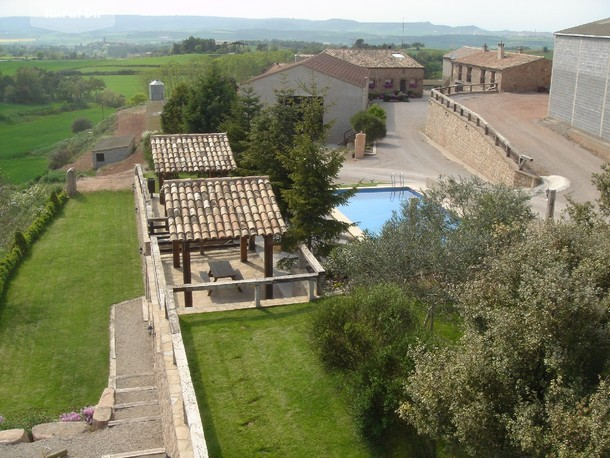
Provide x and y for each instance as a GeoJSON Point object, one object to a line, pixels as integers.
{"type": "Point", "coordinates": [33, 85]}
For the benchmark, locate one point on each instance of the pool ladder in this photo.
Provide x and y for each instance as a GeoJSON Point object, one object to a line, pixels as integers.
{"type": "Point", "coordinates": [398, 179]}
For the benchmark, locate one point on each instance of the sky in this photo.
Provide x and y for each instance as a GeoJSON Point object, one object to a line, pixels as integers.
{"type": "Point", "coordinates": [516, 15]}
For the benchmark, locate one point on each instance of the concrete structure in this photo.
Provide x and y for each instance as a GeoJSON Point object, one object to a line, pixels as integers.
{"type": "Point", "coordinates": [510, 71]}
{"type": "Point", "coordinates": [344, 86]}
{"type": "Point", "coordinates": [111, 150]}
{"type": "Point", "coordinates": [391, 71]}
{"type": "Point", "coordinates": [580, 86]}
{"type": "Point", "coordinates": [448, 59]}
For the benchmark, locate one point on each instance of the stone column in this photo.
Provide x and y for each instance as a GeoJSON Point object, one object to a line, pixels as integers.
{"type": "Point", "coordinates": [71, 182]}
{"type": "Point", "coordinates": [360, 145]}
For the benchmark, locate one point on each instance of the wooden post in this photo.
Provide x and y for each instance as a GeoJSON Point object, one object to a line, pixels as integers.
{"type": "Point", "coordinates": [243, 248]}
{"type": "Point", "coordinates": [252, 244]}
{"type": "Point", "coordinates": [550, 203]}
{"type": "Point", "coordinates": [176, 253]}
{"type": "Point", "coordinates": [186, 273]}
{"type": "Point", "coordinates": [269, 264]}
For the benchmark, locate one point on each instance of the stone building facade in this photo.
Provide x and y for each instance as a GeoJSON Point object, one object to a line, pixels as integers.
{"type": "Point", "coordinates": [112, 149]}
{"type": "Point", "coordinates": [391, 71]}
{"type": "Point", "coordinates": [580, 87]}
{"type": "Point", "coordinates": [509, 71]}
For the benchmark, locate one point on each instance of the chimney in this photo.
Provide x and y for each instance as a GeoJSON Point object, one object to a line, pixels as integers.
{"type": "Point", "coordinates": [485, 48]}
{"type": "Point", "coordinates": [500, 50]}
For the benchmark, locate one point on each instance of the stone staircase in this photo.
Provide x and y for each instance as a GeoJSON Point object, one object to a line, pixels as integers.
{"type": "Point", "coordinates": [132, 374]}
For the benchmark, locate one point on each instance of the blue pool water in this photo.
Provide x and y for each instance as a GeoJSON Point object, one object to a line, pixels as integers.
{"type": "Point", "coordinates": [369, 209]}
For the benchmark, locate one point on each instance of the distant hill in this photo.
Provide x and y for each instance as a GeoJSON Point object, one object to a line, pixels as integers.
{"type": "Point", "coordinates": [333, 31]}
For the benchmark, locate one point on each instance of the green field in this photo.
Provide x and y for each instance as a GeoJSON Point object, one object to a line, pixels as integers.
{"type": "Point", "coordinates": [54, 317]}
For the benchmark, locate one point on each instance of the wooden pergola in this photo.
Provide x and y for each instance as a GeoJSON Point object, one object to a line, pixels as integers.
{"type": "Point", "coordinates": [206, 155]}
{"type": "Point", "coordinates": [221, 209]}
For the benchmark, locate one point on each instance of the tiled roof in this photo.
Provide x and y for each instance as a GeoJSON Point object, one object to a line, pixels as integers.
{"type": "Point", "coordinates": [192, 153]}
{"type": "Point", "coordinates": [217, 208]}
{"type": "Point", "coordinates": [375, 58]}
{"type": "Point", "coordinates": [328, 65]}
{"type": "Point", "coordinates": [597, 29]}
{"type": "Point", "coordinates": [461, 52]}
{"type": "Point", "coordinates": [490, 59]}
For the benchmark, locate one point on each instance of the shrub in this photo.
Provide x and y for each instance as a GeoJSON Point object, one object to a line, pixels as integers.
{"type": "Point", "coordinates": [373, 126]}
{"type": "Point", "coordinates": [81, 124]}
{"type": "Point", "coordinates": [137, 99]}
{"type": "Point", "coordinates": [365, 337]}
{"type": "Point", "coordinates": [376, 110]}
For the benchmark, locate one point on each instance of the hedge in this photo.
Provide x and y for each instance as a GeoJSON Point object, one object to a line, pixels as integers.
{"type": "Point", "coordinates": [24, 240]}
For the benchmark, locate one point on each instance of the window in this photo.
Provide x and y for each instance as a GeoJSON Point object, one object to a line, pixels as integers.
{"type": "Point", "coordinates": [459, 72]}
{"type": "Point", "coordinates": [99, 157]}
{"type": "Point", "coordinates": [469, 74]}
{"type": "Point", "coordinates": [493, 77]}
{"type": "Point", "coordinates": [389, 84]}
{"type": "Point", "coordinates": [372, 84]}
{"type": "Point", "coordinates": [482, 80]}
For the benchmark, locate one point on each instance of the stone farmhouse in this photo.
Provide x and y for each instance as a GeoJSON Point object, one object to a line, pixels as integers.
{"type": "Point", "coordinates": [448, 59]}
{"type": "Point", "coordinates": [391, 71]}
{"type": "Point", "coordinates": [343, 84]}
{"type": "Point", "coordinates": [509, 71]}
{"type": "Point", "coordinates": [580, 84]}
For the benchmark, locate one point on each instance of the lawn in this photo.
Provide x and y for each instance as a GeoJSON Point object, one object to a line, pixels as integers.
{"type": "Point", "coordinates": [54, 337]}
{"type": "Point", "coordinates": [260, 388]}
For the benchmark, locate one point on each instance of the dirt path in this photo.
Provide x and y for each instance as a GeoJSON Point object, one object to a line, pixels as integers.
{"type": "Point", "coordinates": [117, 176]}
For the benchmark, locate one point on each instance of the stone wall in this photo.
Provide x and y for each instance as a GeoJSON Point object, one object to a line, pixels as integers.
{"type": "Point", "coordinates": [471, 139]}
{"type": "Point", "coordinates": [413, 77]}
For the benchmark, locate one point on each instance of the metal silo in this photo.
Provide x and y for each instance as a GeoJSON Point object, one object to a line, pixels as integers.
{"type": "Point", "coordinates": [156, 90]}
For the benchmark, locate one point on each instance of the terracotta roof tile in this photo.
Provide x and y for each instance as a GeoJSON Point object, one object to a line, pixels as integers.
{"type": "Point", "coordinates": [375, 58]}
{"type": "Point", "coordinates": [217, 208]}
{"type": "Point", "coordinates": [192, 153]}
{"type": "Point", "coordinates": [327, 65]}
{"type": "Point", "coordinates": [489, 59]}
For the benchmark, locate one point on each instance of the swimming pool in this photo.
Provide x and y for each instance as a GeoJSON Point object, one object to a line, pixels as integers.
{"type": "Point", "coordinates": [370, 208]}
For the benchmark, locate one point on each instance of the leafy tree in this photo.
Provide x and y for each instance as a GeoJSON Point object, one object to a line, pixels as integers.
{"type": "Point", "coordinates": [172, 116]}
{"type": "Point", "coordinates": [602, 183]}
{"type": "Point", "coordinates": [81, 124]}
{"type": "Point", "coordinates": [530, 374]}
{"type": "Point", "coordinates": [376, 110]}
{"type": "Point", "coordinates": [137, 99]}
{"type": "Point", "coordinates": [439, 241]}
{"type": "Point", "coordinates": [270, 138]}
{"type": "Point", "coordinates": [210, 101]}
{"type": "Point", "coordinates": [373, 126]}
{"type": "Point", "coordinates": [365, 337]}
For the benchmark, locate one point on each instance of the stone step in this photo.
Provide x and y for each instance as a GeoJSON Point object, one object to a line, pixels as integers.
{"type": "Point", "coordinates": [136, 410]}
{"type": "Point", "coordinates": [134, 420]}
{"type": "Point", "coordinates": [135, 380]}
{"type": "Point", "coordinates": [152, 453]}
{"type": "Point", "coordinates": [127, 397]}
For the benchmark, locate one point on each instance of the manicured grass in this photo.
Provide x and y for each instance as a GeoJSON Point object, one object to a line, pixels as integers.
{"type": "Point", "coordinates": [54, 338]}
{"type": "Point", "coordinates": [261, 389]}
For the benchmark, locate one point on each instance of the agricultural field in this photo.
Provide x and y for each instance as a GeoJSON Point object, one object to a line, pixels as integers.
{"type": "Point", "coordinates": [28, 131]}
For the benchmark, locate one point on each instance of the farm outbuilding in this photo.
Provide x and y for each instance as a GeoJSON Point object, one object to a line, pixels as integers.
{"type": "Point", "coordinates": [112, 149]}
{"type": "Point", "coordinates": [581, 78]}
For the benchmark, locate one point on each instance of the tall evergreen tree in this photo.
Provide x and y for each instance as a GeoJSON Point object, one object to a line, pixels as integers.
{"type": "Point", "coordinates": [210, 101]}
{"type": "Point", "coordinates": [240, 120]}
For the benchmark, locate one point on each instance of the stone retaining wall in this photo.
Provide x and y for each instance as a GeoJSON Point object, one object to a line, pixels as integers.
{"type": "Point", "coordinates": [471, 139]}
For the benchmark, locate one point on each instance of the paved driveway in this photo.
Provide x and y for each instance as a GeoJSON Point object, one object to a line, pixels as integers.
{"type": "Point", "coordinates": [405, 150]}
{"type": "Point", "coordinates": [519, 117]}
